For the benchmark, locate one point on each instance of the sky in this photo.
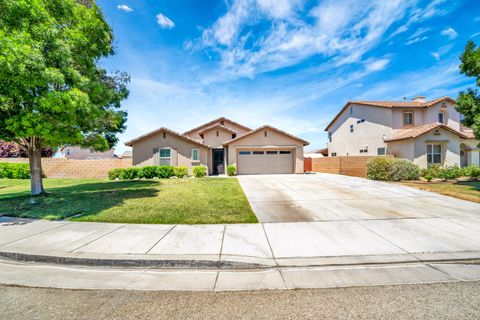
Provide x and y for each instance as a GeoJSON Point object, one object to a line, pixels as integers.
{"type": "Point", "coordinates": [291, 64]}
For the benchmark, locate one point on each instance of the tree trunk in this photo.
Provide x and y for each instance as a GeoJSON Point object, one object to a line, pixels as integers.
{"type": "Point", "coordinates": [35, 159]}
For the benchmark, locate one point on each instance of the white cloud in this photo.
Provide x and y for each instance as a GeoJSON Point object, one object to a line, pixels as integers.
{"type": "Point", "coordinates": [417, 36]}
{"type": "Point", "coordinates": [449, 32]}
{"type": "Point", "coordinates": [164, 22]}
{"type": "Point", "coordinates": [377, 65]}
{"type": "Point", "coordinates": [124, 7]}
{"type": "Point", "coordinates": [441, 51]}
{"type": "Point", "coordinates": [475, 34]}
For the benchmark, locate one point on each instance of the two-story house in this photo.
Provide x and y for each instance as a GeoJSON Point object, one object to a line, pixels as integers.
{"type": "Point", "coordinates": [424, 132]}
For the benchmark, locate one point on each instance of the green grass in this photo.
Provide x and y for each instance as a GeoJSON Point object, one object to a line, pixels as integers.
{"type": "Point", "coordinates": [466, 190]}
{"type": "Point", "coordinates": [169, 201]}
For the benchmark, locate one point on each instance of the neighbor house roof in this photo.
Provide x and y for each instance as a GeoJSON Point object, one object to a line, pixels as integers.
{"type": "Point", "coordinates": [159, 130]}
{"type": "Point", "coordinates": [305, 143]}
{"type": "Point", "coordinates": [414, 132]}
{"type": "Point", "coordinates": [218, 126]}
{"type": "Point", "coordinates": [391, 104]}
{"type": "Point", "coordinates": [215, 121]}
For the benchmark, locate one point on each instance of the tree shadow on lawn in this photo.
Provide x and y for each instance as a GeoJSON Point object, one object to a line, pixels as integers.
{"type": "Point", "coordinates": [473, 184]}
{"type": "Point", "coordinates": [76, 200]}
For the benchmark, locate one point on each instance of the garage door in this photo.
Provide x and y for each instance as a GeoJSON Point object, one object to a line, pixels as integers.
{"type": "Point", "coordinates": [265, 162]}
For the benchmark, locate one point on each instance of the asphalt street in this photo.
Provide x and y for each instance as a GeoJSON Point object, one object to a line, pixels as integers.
{"type": "Point", "coordinates": [454, 300]}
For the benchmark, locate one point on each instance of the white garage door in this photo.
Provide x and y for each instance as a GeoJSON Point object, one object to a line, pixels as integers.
{"type": "Point", "coordinates": [265, 162]}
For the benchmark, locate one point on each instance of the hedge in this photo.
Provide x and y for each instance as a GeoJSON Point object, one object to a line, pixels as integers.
{"type": "Point", "coordinates": [14, 171]}
{"type": "Point", "coordinates": [452, 172]}
{"type": "Point", "coordinates": [199, 171]}
{"type": "Point", "coordinates": [231, 170]}
{"type": "Point", "coordinates": [389, 169]}
{"type": "Point", "coordinates": [149, 172]}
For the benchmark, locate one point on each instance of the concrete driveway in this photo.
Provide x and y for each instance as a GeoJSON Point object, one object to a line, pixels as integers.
{"type": "Point", "coordinates": [325, 197]}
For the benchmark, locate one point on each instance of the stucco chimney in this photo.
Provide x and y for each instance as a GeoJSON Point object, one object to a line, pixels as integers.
{"type": "Point", "coordinates": [419, 99]}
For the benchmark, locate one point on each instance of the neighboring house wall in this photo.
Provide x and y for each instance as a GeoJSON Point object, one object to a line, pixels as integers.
{"type": "Point", "coordinates": [78, 153]}
{"type": "Point", "coordinates": [210, 137]}
{"type": "Point", "coordinates": [378, 122]}
{"type": "Point", "coordinates": [273, 140]}
{"type": "Point", "coordinates": [143, 151]}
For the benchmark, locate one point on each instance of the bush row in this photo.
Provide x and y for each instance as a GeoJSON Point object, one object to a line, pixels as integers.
{"type": "Point", "coordinates": [151, 172]}
{"type": "Point", "coordinates": [390, 169]}
{"type": "Point", "coordinates": [14, 171]}
{"type": "Point", "coordinates": [452, 172]}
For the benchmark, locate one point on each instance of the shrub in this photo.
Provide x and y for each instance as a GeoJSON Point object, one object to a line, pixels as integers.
{"type": "Point", "coordinates": [388, 169]}
{"type": "Point", "coordinates": [231, 170]}
{"type": "Point", "coordinates": [452, 172]}
{"type": "Point", "coordinates": [164, 172]}
{"type": "Point", "coordinates": [431, 172]}
{"type": "Point", "coordinates": [199, 171]}
{"type": "Point", "coordinates": [129, 173]}
{"type": "Point", "coordinates": [472, 171]}
{"type": "Point", "coordinates": [114, 174]}
{"type": "Point", "coordinates": [404, 170]}
{"type": "Point", "coordinates": [148, 172]}
{"type": "Point", "coordinates": [180, 171]}
{"type": "Point", "coordinates": [14, 171]}
{"type": "Point", "coordinates": [378, 168]}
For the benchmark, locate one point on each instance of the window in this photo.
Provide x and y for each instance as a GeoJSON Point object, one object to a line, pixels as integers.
{"type": "Point", "coordinates": [265, 134]}
{"type": "Point", "coordinates": [217, 133]}
{"type": "Point", "coordinates": [440, 117]}
{"type": "Point", "coordinates": [364, 150]}
{"type": "Point", "coordinates": [233, 135]}
{"type": "Point", "coordinates": [272, 152]}
{"type": "Point", "coordinates": [165, 157]}
{"type": "Point", "coordinates": [258, 152]}
{"type": "Point", "coordinates": [351, 128]}
{"type": "Point", "coordinates": [285, 152]}
{"type": "Point", "coordinates": [334, 154]}
{"type": "Point", "coordinates": [351, 110]}
{"type": "Point", "coordinates": [329, 136]}
{"type": "Point", "coordinates": [408, 118]}
{"type": "Point", "coordinates": [68, 152]}
{"type": "Point", "coordinates": [164, 135]}
{"type": "Point", "coordinates": [244, 153]}
{"type": "Point", "coordinates": [361, 121]}
{"type": "Point", "coordinates": [91, 150]}
{"type": "Point", "coordinates": [381, 151]}
{"type": "Point", "coordinates": [195, 155]}
{"type": "Point", "coordinates": [434, 153]}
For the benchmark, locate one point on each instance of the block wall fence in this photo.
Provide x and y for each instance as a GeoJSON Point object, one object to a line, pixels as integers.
{"type": "Point", "coordinates": [355, 166]}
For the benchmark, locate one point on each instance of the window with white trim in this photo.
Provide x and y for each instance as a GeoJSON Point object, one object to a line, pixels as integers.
{"type": "Point", "coordinates": [434, 153]}
{"type": "Point", "coordinates": [165, 157]}
{"type": "Point", "coordinates": [441, 117]}
{"type": "Point", "coordinates": [195, 155]}
{"type": "Point", "coordinates": [381, 151]}
{"type": "Point", "coordinates": [408, 118]}
{"type": "Point", "coordinates": [351, 128]}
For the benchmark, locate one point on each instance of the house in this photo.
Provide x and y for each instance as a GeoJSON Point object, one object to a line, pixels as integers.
{"type": "Point", "coordinates": [424, 132]}
{"type": "Point", "coordinates": [127, 154]}
{"type": "Point", "coordinates": [78, 153]}
{"type": "Point", "coordinates": [317, 153]}
{"type": "Point", "coordinates": [222, 142]}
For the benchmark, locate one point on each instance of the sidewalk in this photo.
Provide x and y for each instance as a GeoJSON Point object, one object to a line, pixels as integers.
{"type": "Point", "coordinates": [252, 246]}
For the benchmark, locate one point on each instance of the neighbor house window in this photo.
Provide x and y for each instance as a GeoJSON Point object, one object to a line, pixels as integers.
{"type": "Point", "coordinates": [195, 155]}
{"type": "Point", "coordinates": [361, 121]}
{"type": "Point", "coordinates": [351, 128]}
{"type": "Point", "coordinates": [365, 150]}
{"type": "Point", "coordinates": [408, 118]}
{"type": "Point", "coordinates": [440, 117]}
{"type": "Point", "coordinates": [165, 157]}
{"type": "Point", "coordinates": [434, 153]}
{"type": "Point", "coordinates": [351, 110]}
{"type": "Point", "coordinates": [68, 152]}
{"type": "Point", "coordinates": [334, 154]}
{"type": "Point", "coordinates": [381, 151]}
{"type": "Point", "coordinates": [329, 136]}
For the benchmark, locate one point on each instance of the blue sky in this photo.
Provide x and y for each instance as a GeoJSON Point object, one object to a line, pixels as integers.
{"type": "Point", "coordinates": [289, 63]}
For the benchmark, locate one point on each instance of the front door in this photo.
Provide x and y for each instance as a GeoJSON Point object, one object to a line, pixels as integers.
{"type": "Point", "coordinates": [218, 156]}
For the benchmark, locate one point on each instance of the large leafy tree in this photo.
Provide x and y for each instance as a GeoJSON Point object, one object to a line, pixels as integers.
{"type": "Point", "coordinates": [468, 103]}
{"type": "Point", "coordinates": [52, 90]}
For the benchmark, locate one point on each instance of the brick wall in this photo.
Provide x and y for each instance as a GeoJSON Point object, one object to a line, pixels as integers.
{"type": "Point", "coordinates": [355, 166]}
{"type": "Point", "coordinates": [68, 168]}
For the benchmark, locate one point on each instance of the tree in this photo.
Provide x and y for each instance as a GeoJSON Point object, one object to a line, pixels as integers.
{"type": "Point", "coordinates": [13, 150]}
{"type": "Point", "coordinates": [468, 103]}
{"type": "Point", "coordinates": [52, 91]}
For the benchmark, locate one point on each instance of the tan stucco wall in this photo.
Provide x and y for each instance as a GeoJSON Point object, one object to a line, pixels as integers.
{"type": "Point", "coordinates": [78, 153]}
{"type": "Point", "coordinates": [404, 149]}
{"type": "Point", "coordinates": [367, 134]}
{"type": "Point", "coordinates": [428, 115]}
{"type": "Point", "coordinates": [397, 117]}
{"type": "Point", "coordinates": [273, 140]}
{"type": "Point", "coordinates": [450, 149]}
{"type": "Point", "coordinates": [210, 137]}
{"type": "Point", "coordinates": [240, 130]}
{"type": "Point", "coordinates": [142, 151]}
{"type": "Point", "coordinates": [472, 152]}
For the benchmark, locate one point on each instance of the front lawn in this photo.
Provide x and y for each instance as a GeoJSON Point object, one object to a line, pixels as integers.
{"type": "Point", "coordinates": [466, 190]}
{"type": "Point", "coordinates": [168, 201]}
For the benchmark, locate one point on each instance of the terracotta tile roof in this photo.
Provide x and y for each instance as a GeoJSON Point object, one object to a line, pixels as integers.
{"type": "Point", "coordinates": [305, 143]}
{"type": "Point", "coordinates": [218, 125]}
{"type": "Point", "coordinates": [154, 132]}
{"type": "Point", "coordinates": [469, 133]}
{"type": "Point", "coordinates": [392, 104]}
{"type": "Point", "coordinates": [414, 132]}
{"type": "Point", "coordinates": [215, 121]}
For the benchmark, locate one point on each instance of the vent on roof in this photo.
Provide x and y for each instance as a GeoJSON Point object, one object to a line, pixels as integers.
{"type": "Point", "coordinates": [419, 99]}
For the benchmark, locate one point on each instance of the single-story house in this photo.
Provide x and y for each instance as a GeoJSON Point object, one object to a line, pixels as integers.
{"type": "Point", "coordinates": [222, 142]}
